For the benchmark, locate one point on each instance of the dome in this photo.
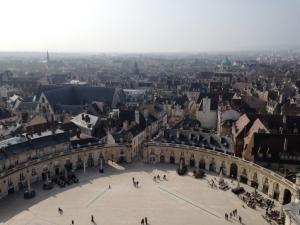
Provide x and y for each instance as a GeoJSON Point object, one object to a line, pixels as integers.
{"type": "Point", "coordinates": [226, 62]}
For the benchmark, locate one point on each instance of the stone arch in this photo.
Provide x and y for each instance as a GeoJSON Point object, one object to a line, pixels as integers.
{"type": "Point", "coordinates": [68, 165]}
{"type": "Point", "coordinates": [276, 191]}
{"type": "Point", "coordinates": [90, 160]}
{"type": "Point", "coordinates": [152, 157]}
{"type": "Point", "coordinates": [79, 163]}
{"type": "Point", "coordinates": [233, 171]}
{"type": "Point", "coordinates": [202, 163]}
{"type": "Point", "coordinates": [182, 157]}
{"type": "Point", "coordinates": [265, 187]}
{"type": "Point", "coordinates": [244, 176]}
{"type": "Point", "coordinates": [56, 167]}
{"type": "Point", "coordinates": [101, 159]}
{"type": "Point", "coordinates": [192, 160]}
{"type": "Point", "coordinates": [212, 166]}
{"type": "Point", "coordinates": [162, 156]}
{"type": "Point", "coordinates": [122, 157]}
{"type": "Point", "coordinates": [10, 186]}
{"type": "Point", "coordinates": [223, 168]}
{"type": "Point", "coordinates": [287, 196]}
{"type": "Point", "coordinates": [45, 172]}
{"type": "Point", "coordinates": [254, 181]}
{"type": "Point", "coordinates": [172, 157]}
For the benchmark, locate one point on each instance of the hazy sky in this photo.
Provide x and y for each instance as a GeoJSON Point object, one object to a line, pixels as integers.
{"type": "Point", "coordinates": [148, 25]}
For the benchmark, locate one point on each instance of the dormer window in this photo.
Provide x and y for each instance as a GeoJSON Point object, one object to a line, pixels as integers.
{"type": "Point", "coordinates": [259, 153]}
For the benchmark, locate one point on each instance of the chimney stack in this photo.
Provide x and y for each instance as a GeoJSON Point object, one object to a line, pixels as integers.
{"type": "Point", "coordinates": [137, 116]}
{"type": "Point", "coordinates": [125, 125]}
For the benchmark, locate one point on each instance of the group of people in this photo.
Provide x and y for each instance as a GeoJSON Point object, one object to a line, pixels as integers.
{"type": "Point", "coordinates": [135, 183]}
{"type": "Point", "coordinates": [155, 178]}
{"type": "Point", "coordinates": [249, 199]}
{"type": "Point", "coordinates": [274, 215]}
{"type": "Point", "coordinates": [144, 221]}
{"type": "Point", "coordinates": [72, 221]}
{"type": "Point", "coordinates": [233, 214]}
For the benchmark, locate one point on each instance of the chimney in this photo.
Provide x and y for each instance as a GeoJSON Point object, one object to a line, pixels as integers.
{"type": "Point", "coordinates": [284, 119]}
{"type": "Point", "coordinates": [125, 125]}
{"type": "Point", "coordinates": [146, 113]}
{"type": "Point", "coordinates": [137, 116]}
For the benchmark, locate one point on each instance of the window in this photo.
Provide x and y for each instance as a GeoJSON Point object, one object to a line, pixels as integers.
{"type": "Point", "coordinates": [33, 172]}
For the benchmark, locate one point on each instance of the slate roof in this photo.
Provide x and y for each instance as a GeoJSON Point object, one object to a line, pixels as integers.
{"type": "Point", "coordinates": [27, 106]}
{"type": "Point", "coordinates": [36, 143]}
{"type": "Point", "coordinates": [129, 115]}
{"type": "Point", "coordinates": [4, 113]}
{"type": "Point", "coordinates": [275, 122]}
{"type": "Point", "coordinates": [274, 144]}
{"type": "Point", "coordinates": [79, 95]}
{"type": "Point", "coordinates": [202, 87]}
{"type": "Point", "coordinates": [176, 100]}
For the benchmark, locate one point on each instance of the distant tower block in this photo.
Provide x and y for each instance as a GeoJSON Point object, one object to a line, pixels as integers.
{"type": "Point", "coordinates": [48, 57]}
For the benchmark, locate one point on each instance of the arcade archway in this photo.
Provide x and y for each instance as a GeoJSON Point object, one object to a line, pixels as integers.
{"type": "Point", "coordinates": [212, 166]}
{"type": "Point", "coordinates": [287, 196]}
{"type": "Point", "coordinates": [202, 164]}
{"type": "Point", "coordinates": [233, 170]}
{"type": "Point", "coordinates": [265, 186]}
{"type": "Point", "coordinates": [244, 177]}
{"type": "Point", "coordinates": [192, 160]}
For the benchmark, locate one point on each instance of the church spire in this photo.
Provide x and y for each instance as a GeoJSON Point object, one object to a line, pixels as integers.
{"type": "Point", "coordinates": [48, 57]}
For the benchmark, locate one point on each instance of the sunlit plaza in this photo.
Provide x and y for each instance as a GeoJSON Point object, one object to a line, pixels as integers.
{"type": "Point", "coordinates": [175, 200]}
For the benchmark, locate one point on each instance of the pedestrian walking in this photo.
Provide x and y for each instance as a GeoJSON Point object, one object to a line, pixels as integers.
{"type": "Point", "coordinates": [146, 220]}
{"type": "Point", "coordinates": [92, 218]}
{"type": "Point", "coordinates": [142, 222]}
{"type": "Point", "coordinates": [226, 216]}
{"type": "Point", "coordinates": [72, 222]}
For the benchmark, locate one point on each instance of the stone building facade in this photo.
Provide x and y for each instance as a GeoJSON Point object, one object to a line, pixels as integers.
{"type": "Point", "coordinates": [247, 172]}
{"type": "Point", "coordinates": [14, 179]}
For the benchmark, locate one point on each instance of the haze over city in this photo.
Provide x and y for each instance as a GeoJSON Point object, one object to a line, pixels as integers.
{"type": "Point", "coordinates": [150, 112]}
{"type": "Point", "coordinates": [149, 26]}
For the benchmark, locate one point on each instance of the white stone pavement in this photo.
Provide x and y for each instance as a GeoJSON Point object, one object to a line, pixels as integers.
{"type": "Point", "coordinates": [182, 200]}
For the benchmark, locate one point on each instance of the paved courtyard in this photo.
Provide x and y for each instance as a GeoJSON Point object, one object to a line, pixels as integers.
{"type": "Point", "coordinates": [182, 200]}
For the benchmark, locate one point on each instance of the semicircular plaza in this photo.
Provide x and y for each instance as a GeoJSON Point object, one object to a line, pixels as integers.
{"type": "Point", "coordinates": [178, 200]}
